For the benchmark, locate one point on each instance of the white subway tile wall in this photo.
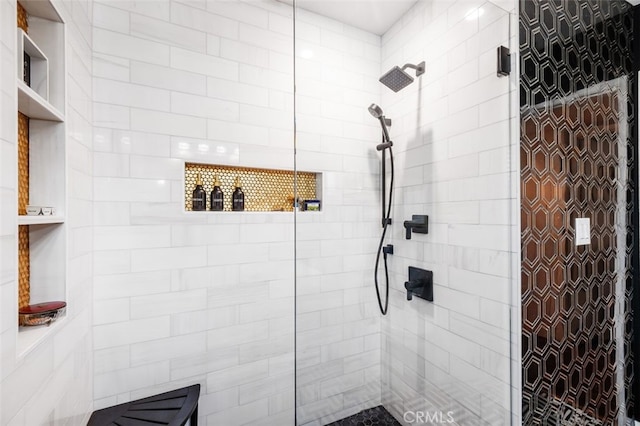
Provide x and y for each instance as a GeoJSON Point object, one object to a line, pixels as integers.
{"type": "Point", "coordinates": [454, 153]}
{"type": "Point", "coordinates": [191, 298]}
{"type": "Point", "coordinates": [337, 310]}
{"type": "Point", "coordinates": [8, 187]}
{"type": "Point", "coordinates": [53, 383]}
{"type": "Point", "coordinates": [217, 85]}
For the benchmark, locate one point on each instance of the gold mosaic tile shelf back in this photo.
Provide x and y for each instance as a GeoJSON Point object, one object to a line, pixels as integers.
{"type": "Point", "coordinates": [23, 163]}
{"type": "Point", "coordinates": [24, 260]}
{"type": "Point", "coordinates": [24, 267]}
{"type": "Point", "coordinates": [23, 19]}
{"type": "Point", "coordinates": [265, 190]}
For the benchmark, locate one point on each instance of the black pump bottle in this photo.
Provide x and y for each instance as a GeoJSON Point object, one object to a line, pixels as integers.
{"type": "Point", "coordinates": [237, 197]}
{"type": "Point", "coordinates": [199, 199]}
{"type": "Point", "coordinates": [217, 197]}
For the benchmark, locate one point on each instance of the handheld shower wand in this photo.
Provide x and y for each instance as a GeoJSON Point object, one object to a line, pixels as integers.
{"type": "Point", "coordinates": [376, 112]}
{"type": "Point", "coordinates": [386, 144]}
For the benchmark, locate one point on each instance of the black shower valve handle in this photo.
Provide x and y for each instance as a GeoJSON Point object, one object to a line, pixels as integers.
{"type": "Point", "coordinates": [420, 284]}
{"type": "Point", "coordinates": [419, 224]}
{"type": "Point", "coordinates": [413, 286]}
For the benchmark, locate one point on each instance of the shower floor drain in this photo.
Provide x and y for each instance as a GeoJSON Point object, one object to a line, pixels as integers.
{"type": "Point", "coordinates": [376, 416]}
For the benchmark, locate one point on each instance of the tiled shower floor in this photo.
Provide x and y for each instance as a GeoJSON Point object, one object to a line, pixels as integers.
{"type": "Point", "coordinates": [376, 416]}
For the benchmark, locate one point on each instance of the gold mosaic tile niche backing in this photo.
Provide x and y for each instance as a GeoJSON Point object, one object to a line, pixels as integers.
{"type": "Point", "coordinates": [23, 163]}
{"type": "Point", "coordinates": [24, 263]}
{"type": "Point", "coordinates": [23, 19]}
{"type": "Point", "coordinates": [264, 190]}
{"type": "Point", "coordinates": [24, 267]}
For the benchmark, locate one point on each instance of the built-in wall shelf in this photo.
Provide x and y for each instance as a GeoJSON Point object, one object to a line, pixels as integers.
{"type": "Point", "coordinates": [42, 136]}
{"type": "Point", "coordinates": [41, 9]}
{"type": "Point", "coordinates": [33, 70]}
{"type": "Point", "coordinates": [35, 106]}
{"type": "Point", "coordinates": [39, 220]}
{"type": "Point", "coordinates": [29, 337]}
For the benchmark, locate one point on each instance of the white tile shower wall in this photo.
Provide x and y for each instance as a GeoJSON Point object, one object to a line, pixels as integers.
{"type": "Point", "coordinates": [454, 156]}
{"type": "Point", "coordinates": [8, 200]}
{"type": "Point", "coordinates": [338, 338]}
{"type": "Point", "coordinates": [183, 298]}
{"type": "Point", "coordinates": [224, 282]}
{"type": "Point", "coordinates": [53, 383]}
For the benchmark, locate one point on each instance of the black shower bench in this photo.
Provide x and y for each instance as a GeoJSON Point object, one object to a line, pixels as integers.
{"type": "Point", "coordinates": [171, 408]}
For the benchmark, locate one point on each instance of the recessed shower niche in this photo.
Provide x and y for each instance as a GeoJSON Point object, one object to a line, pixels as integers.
{"type": "Point", "coordinates": [266, 190]}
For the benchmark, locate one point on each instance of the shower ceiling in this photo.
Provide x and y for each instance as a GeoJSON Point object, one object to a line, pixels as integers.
{"type": "Point", "coordinates": [374, 16]}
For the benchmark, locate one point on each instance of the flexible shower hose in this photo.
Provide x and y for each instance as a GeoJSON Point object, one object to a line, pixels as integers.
{"type": "Point", "coordinates": [386, 221]}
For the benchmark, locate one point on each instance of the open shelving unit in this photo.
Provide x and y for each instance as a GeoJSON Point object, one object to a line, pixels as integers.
{"type": "Point", "coordinates": [40, 85]}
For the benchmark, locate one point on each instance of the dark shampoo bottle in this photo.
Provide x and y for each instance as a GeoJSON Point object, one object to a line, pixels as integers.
{"type": "Point", "coordinates": [199, 199]}
{"type": "Point", "coordinates": [237, 197]}
{"type": "Point", "coordinates": [217, 197]}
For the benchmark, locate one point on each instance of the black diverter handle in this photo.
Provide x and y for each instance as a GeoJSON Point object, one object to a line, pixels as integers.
{"type": "Point", "coordinates": [420, 284]}
{"type": "Point", "coordinates": [419, 224]}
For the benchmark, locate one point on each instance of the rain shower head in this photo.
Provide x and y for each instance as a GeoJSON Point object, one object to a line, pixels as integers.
{"type": "Point", "coordinates": [397, 79]}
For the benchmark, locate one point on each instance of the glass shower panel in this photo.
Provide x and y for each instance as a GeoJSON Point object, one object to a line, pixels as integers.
{"type": "Point", "coordinates": [577, 162]}
{"type": "Point", "coordinates": [448, 360]}
{"type": "Point", "coordinates": [575, 166]}
{"type": "Point", "coordinates": [337, 318]}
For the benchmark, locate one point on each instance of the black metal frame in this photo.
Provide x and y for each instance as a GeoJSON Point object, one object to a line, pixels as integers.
{"type": "Point", "coordinates": [635, 223]}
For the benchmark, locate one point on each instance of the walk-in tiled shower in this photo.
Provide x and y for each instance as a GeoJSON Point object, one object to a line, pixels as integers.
{"type": "Point", "coordinates": [273, 310]}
